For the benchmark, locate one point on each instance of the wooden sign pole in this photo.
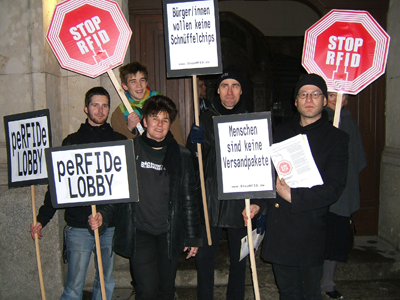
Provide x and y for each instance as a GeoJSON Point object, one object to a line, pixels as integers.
{"type": "Point", "coordinates": [37, 243]}
{"type": "Point", "coordinates": [251, 251]}
{"type": "Point", "coordinates": [200, 158]}
{"type": "Point", "coordinates": [99, 260]}
{"type": "Point", "coordinates": [338, 108]}
{"type": "Point", "coordinates": [123, 97]}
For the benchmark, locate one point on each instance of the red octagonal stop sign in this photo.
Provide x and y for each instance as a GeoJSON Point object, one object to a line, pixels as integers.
{"type": "Point", "coordinates": [89, 36]}
{"type": "Point", "coordinates": [347, 48]}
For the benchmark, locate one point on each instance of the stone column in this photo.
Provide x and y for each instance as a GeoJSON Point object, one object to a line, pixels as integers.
{"type": "Point", "coordinates": [31, 79]}
{"type": "Point", "coordinates": [389, 208]}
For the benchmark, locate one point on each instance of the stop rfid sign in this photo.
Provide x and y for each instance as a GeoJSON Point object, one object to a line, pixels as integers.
{"type": "Point", "coordinates": [89, 36]}
{"type": "Point", "coordinates": [347, 48]}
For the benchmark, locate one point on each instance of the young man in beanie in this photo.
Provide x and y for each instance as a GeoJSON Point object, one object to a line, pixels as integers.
{"type": "Point", "coordinates": [222, 214]}
{"type": "Point", "coordinates": [296, 220]}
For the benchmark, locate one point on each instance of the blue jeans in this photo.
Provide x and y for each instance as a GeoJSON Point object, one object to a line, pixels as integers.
{"type": "Point", "coordinates": [80, 244]}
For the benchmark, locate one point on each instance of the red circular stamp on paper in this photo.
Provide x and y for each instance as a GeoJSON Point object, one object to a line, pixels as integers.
{"type": "Point", "coordinates": [284, 167]}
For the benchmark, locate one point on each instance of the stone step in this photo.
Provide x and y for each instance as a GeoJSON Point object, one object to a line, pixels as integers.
{"type": "Point", "coordinates": [371, 262]}
{"type": "Point", "coordinates": [351, 290]}
{"type": "Point", "coordinates": [371, 259]}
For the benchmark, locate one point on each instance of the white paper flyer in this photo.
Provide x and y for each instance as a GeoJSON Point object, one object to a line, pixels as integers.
{"type": "Point", "coordinates": [257, 239]}
{"type": "Point", "coordinates": [294, 162]}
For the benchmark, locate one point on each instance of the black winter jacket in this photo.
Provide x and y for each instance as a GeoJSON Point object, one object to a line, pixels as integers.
{"type": "Point", "coordinates": [295, 233]}
{"type": "Point", "coordinates": [222, 213]}
{"type": "Point", "coordinates": [78, 216]}
{"type": "Point", "coordinates": [183, 214]}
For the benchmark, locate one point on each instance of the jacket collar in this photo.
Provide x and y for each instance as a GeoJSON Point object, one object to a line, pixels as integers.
{"type": "Point", "coordinates": [295, 123]}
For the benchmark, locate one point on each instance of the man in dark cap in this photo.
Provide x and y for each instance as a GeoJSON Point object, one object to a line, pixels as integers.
{"type": "Point", "coordinates": [296, 219]}
{"type": "Point", "coordinates": [224, 214]}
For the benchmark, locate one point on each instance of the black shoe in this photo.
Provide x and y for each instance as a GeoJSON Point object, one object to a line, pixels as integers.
{"type": "Point", "coordinates": [335, 295]}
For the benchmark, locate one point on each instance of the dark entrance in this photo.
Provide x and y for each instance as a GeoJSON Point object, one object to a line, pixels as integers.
{"type": "Point", "coordinates": [271, 83]}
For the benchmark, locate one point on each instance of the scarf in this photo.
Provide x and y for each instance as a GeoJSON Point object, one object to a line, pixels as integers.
{"type": "Point", "coordinates": [239, 108]}
{"type": "Point", "coordinates": [137, 105]}
{"type": "Point", "coordinates": [172, 157]}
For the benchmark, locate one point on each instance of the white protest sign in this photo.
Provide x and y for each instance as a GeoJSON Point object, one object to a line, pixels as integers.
{"type": "Point", "coordinates": [243, 163]}
{"type": "Point", "coordinates": [92, 174]}
{"type": "Point", "coordinates": [27, 136]}
{"type": "Point", "coordinates": [192, 37]}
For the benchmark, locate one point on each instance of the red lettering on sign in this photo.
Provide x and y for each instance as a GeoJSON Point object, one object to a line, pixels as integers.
{"type": "Point", "coordinates": [344, 57]}
{"type": "Point", "coordinates": [86, 33]}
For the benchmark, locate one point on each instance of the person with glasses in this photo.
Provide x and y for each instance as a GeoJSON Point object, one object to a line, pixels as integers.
{"type": "Point", "coordinates": [296, 219]}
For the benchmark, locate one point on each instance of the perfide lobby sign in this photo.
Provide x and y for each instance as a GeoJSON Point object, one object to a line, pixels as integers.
{"type": "Point", "coordinates": [192, 37]}
{"type": "Point", "coordinates": [244, 167]}
{"type": "Point", "coordinates": [27, 136]}
{"type": "Point", "coordinates": [90, 174]}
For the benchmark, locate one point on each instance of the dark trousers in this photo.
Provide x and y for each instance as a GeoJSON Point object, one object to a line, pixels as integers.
{"type": "Point", "coordinates": [298, 282]}
{"type": "Point", "coordinates": [153, 271]}
{"type": "Point", "coordinates": [205, 262]}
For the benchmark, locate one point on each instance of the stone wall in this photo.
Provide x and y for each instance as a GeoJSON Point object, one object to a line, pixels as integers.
{"type": "Point", "coordinates": [389, 208]}
{"type": "Point", "coordinates": [31, 79]}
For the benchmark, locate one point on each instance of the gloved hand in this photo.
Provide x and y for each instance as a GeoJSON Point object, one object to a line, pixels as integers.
{"type": "Point", "coordinates": [261, 224]}
{"type": "Point", "coordinates": [196, 135]}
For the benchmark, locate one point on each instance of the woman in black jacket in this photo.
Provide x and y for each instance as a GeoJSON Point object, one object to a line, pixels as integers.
{"type": "Point", "coordinates": [154, 231]}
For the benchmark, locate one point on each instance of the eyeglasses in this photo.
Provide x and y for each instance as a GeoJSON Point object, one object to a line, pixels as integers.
{"type": "Point", "coordinates": [314, 95]}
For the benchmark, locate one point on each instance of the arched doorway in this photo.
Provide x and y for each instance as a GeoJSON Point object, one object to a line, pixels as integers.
{"type": "Point", "coordinates": [147, 46]}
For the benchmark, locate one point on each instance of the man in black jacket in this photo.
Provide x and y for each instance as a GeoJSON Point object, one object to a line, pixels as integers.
{"type": "Point", "coordinates": [79, 242]}
{"type": "Point", "coordinates": [224, 214]}
{"type": "Point", "coordinates": [166, 221]}
{"type": "Point", "coordinates": [296, 220]}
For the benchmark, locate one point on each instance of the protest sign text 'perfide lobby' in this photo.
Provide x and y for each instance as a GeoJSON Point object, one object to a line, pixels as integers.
{"type": "Point", "coordinates": [82, 182]}
{"type": "Point", "coordinates": [92, 173]}
{"type": "Point", "coordinates": [28, 140]}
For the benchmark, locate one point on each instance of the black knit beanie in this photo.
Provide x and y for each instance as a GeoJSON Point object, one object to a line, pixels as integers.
{"type": "Point", "coordinates": [231, 74]}
{"type": "Point", "coordinates": [312, 79]}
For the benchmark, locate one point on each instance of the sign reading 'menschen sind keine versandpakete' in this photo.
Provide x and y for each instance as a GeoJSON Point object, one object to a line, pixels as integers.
{"type": "Point", "coordinates": [192, 37]}
{"type": "Point", "coordinates": [244, 167]}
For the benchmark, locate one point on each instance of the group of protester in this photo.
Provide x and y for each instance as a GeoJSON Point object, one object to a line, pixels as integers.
{"type": "Point", "coordinates": [304, 227]}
